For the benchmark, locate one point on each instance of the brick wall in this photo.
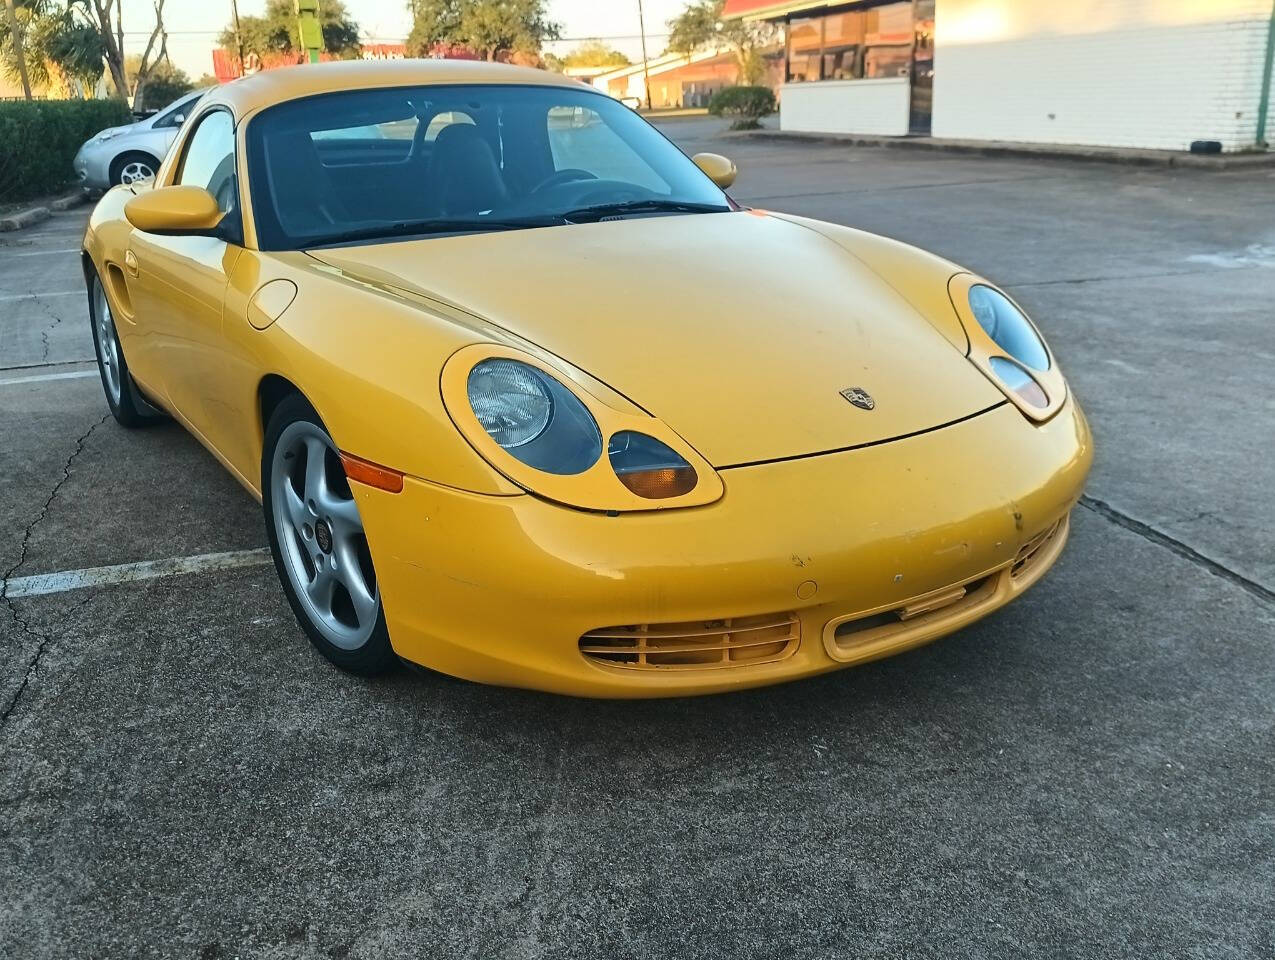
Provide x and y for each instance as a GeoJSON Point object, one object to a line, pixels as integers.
{"type": "Point", "coordinates": [1125, 73]}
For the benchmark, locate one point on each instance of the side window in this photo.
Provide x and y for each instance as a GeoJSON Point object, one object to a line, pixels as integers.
{"type": "Point", "coordinates": [580, 139]}
{"type": "Point", "coordinates": [210, 159]}
{"type": "Point", "coordinates": [391, 130]}
{"type": "Point", "coordinates": [176, 114]}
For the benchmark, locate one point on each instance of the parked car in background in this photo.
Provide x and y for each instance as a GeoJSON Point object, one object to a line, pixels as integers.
{"type": "Point", "coordinates": [132, 152]}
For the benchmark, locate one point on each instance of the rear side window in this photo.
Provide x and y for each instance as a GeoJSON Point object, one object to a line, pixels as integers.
{"type": "Point", "coordinates": [210, 158]}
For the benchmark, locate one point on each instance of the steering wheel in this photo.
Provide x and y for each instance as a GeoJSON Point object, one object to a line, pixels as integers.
{"type": "Point", "coordinates": [563, 176]}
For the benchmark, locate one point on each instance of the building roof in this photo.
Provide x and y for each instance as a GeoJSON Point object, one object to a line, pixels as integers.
{"type": "Point", "coordinates": [662, 64]}
{"type": "Point", "coordinates": [290, 83]}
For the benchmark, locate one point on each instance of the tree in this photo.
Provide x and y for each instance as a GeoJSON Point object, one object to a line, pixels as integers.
{"type": "Point", "coordinates": [112, 36]}
{"type": "Point", "coordinates": [277, 32]}
{"type": "Point", "coordinates": [701, 26]}
{"type": "Point", "coordinates": [56, 40]}
{"type": "Point", "coordinates": [595, 53]}
{"type": "Point", "coordinates": [491, 28]}
{"type": "Point", "coordinates": [164, 85]}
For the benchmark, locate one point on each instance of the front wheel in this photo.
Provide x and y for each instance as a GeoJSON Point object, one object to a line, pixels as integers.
{"type": "Point", "coordinates": [318, 542]}
{"type": "Point", "coordinates": [130, 168]}
{"type": "Point", "coordinates": [122, 396]}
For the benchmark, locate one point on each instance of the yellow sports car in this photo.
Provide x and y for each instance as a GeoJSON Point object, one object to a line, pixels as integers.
{"type": "Point", "coordinates": [528, 399]}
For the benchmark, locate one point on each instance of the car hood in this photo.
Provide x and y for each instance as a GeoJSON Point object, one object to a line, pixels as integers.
{"type": "Point", "coordinates": [738, 330]}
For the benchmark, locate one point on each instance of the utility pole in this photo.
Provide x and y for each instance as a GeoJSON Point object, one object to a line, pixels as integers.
{"type": "Point", "coordinates": [234, 7]}
{"type": "Point", "coordinates": [646, 73]}
{"type": "Point", "coordinates": [16, 32]}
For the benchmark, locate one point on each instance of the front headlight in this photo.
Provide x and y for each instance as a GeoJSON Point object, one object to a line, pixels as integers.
{"type": "Point", "coordinates": [533, 416]}
{"type": "Point", "coordinates": [1008, 328]}
{"type": "Point", "coordinates": [545, 427]}
{"type": "Point", "coordinates": [108, 134]}
{"type": "Point", "coordinates": [1009, 350]}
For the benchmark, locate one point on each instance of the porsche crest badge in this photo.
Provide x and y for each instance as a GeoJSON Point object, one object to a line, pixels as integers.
{"type": "Point", "coordinates": [859, 397]}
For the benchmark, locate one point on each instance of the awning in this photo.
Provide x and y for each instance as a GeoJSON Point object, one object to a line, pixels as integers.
{"type": "Point", "coordinates": [765, 9]}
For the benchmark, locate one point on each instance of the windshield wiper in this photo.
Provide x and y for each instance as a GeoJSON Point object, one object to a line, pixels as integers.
{"type": "Point", "coordinates": [434, 225]}
{"type": "Point", "coordinates": [599, 210]}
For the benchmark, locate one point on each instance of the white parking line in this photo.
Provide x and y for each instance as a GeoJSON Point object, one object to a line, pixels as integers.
{"type": "Point", "coordinates": [45, 583]}
{"type": "Point", "coordinates": [77, 375]}
{"type": "Point", "coordinates": [7, 298]}
{"type": "Point", "coordinates": [41, 253]}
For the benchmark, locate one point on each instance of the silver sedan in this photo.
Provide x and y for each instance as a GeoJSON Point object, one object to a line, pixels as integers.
{"type": "Point", "coordinates": [134, 151]}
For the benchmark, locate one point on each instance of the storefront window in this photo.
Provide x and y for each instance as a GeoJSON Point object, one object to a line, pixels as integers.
{"type": "Point", "coordinates": [805, 39]}
{"type": "Point", "coordinates": [842, 46]}
{"type": "Point", "coordinates": [874, 41]}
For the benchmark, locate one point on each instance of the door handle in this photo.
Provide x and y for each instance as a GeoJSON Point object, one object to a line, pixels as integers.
{"type": "Point", "coordinates": [130, 263]}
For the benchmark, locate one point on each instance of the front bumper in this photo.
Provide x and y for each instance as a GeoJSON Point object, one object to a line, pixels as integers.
{"type": "Point", "coordinates": [501, 589]}
{"type": "Point", "coordinates": [92, 167]}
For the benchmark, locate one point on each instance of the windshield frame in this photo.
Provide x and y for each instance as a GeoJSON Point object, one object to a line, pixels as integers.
{"type": "Point", "coordinates": [271, 236]}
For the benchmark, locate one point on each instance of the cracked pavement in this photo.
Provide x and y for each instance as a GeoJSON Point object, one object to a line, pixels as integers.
{"type": "Point", "coordinates": [1087, 773]}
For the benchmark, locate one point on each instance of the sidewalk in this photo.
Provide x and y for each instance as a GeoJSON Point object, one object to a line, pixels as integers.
{"type": "Point", "coordinates": [998, 148]}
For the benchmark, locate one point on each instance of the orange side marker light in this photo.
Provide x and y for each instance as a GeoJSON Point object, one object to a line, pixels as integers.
{"type": "Point", "coordinates": [372, 474]}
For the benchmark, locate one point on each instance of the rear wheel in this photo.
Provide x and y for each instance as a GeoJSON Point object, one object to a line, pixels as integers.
{"type": "Point", "coordinates": [320, 548]}
{"type": "Point", "coordinates": [122, 397]}
{"type": "Point", "coordinates": [132, 167]}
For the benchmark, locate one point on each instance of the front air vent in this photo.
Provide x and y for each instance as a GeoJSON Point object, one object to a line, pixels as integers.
{"type": "Point", "coordinates": [695, 645]}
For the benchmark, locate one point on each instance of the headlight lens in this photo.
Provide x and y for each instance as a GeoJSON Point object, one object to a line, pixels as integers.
{"type": "Point", "coordinates": [1006, 325]}
{"type": "Point", "coordinates": [649, 467]}
{"type": "Point", "coordinates": [510, 400]}
{"type": "Point", "coordinates": [533, 416]}
{"type": "Point", "coordinates": [107, 135]}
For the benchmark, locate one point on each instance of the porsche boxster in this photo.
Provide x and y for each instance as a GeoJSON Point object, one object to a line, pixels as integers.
{"type": "Point", "coordinates": [528, 399]}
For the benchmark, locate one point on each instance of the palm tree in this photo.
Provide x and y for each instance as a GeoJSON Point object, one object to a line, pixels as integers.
{"type": "Point", "coordinates": [51, 35]}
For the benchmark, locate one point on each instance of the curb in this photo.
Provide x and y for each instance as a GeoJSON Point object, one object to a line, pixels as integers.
{"type": "Point", "coordinates": [995, 148]}
{"type": "Point", "coordinates": [70, 200]}
{"type": "Point", "coordinates": [30, 217]}
{"type": "Point", "coordinates": [24, 219]}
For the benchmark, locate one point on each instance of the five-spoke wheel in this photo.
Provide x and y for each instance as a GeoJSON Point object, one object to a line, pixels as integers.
{"type": "Point", "coordinates": [122, 396]}
{"type": "Point", "coordinates": [318, 541]}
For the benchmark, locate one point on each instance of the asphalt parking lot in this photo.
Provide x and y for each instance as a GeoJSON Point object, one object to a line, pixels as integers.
{"type": "Point", "coordinates": [1088, 773]}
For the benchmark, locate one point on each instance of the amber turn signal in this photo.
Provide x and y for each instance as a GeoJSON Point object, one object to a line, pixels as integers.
{"type": "Point", "coordinates": [660, 484]}
{"type": "Point", "coordinates": [371, 474]}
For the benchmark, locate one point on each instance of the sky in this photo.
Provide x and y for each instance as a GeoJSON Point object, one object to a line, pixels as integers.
{"type": "Point", "coordinates": [193, 25]}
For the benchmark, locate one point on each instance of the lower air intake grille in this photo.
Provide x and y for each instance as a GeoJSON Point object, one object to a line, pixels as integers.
{"type": "Point", "coordinates": [698, 645]}
{"type": "Point", "coordinates": [1032, 548]}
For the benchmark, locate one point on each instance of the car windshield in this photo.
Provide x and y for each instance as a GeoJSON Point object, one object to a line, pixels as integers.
{"type": "Point", "coordinates": [413, 161]}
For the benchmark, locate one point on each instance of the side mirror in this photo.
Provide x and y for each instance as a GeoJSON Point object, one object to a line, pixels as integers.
{"type": "Point", "coordinates": [719, 169]}
{"type": "Point", "coordinates": [179, 119]}
{"type": "Point", "coordinates": [174, 211]}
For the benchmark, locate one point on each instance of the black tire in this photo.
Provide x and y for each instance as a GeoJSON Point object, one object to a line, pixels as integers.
{"type": "Point", "coordinates": [116, 173]}
{"type": "Point", "coordinates": [126, 403]}
{"type": "Point", "coordinates": [374, 655]}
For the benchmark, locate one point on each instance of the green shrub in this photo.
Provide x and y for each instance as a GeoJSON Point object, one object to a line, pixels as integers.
{"type": "Point", "coordinates": [748, 104]}
{"type": "Point", "coordinates": [38, 140]}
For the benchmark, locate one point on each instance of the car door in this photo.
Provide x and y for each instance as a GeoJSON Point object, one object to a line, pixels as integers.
{"type": "Point", "coordinates": [181, 282]}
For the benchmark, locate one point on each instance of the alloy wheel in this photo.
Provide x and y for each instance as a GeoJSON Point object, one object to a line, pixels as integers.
{"type": "Point", "coordinates": [321, 537]}
{"type": "Point", "coordinates": [108, 345]}
{"type": "Point", "coordinates": [135, 170]}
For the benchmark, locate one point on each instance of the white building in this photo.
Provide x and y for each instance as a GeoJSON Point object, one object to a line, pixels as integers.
{"type": "Point", "coordinates": [1120, 73]}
